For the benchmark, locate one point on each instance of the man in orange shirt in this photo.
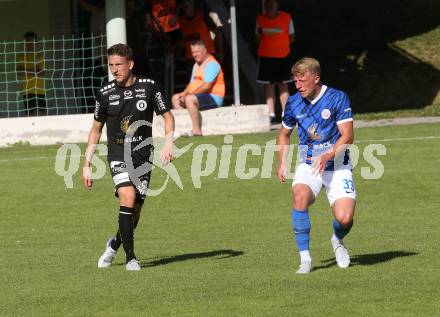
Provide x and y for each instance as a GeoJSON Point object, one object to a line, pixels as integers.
{"type": "Point", "coordinates": [161, 16]}
{"type": "Point", "coordinates": [196, 24]}
{"type": "Point", "coordinates": [275, 33]}
{"type": "Point", "coordinates": [206, 89]}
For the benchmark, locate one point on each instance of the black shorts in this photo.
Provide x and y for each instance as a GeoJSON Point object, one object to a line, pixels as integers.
{"type": "Point", "coordinates": [274, 70]}
{"type": "Point", "coordinates": [139, 177]}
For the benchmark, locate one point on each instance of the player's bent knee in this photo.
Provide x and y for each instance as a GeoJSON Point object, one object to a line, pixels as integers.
{"type": "Point", "coordinates": [303, 197]}
{"type": "Point", "coordinates": [301, 201]}
{"type": "Point", "coordinates": [190, 100]}
{"type": "Point", "coordinates": [344, 215]}
{"type": "Point", "coordinates": [175, 102]}
{"type": "Point", "coordinates": [346, 221]}
{"type": "Point", "coordinates": [127, 196]}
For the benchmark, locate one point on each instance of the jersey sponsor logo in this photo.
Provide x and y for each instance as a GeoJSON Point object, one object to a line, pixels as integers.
{"type": "Point", "coordinates": [300, 116]}
{"type": "Point", "coordinates": [97, 105]}
{"type": "Point", "coordinates": [325, 114]}
{"type": "Point", "coordinates": [140, 90]}
{"type": "Point", "coordinates": [322, 145]}
{"type": "Point", "coordinates": [128, 128]}
{"type": "Point", "coordinates": [114, 103]}
{"type": "Point", "coordinates": [138, 138]}
{"type": "Point", "coordinates": [117, 166]}
{"type": "Point", "coordinates": [347, 109]}
{"type": "Point", "coordinates": [141, 105]}
{"type": "Point", "coordinates": [313, 134]}
{"type": "Point", "coordinates": [114, 97]}
{"type": "Point", "coordinates": [141, 96]}
{"type": "Point", "coordinates": [128, 94]}
{"type": "Point", "coordinates": [125, 123]}
{"type": "Point", "coordinates": [159, 100]}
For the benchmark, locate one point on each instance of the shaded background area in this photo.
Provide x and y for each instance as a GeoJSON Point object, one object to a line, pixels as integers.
{"type": "Point", "coordinates": [385, 54]}
{"type": "Point", "coordinates": [364, 47]}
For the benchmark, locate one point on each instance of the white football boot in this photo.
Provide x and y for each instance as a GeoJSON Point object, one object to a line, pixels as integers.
{"type": "Point", "coordinates": [341, 253]}
{"type": "Point", "coordinates": [106, 259]}
{"type": "Point", "coordinates": [305, 267]}
{"type": "Point", "coordinates": [133, 265]}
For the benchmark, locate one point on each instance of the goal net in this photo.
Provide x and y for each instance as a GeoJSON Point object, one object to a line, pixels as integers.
{"type": "Point", "coordinates": [51, 76]}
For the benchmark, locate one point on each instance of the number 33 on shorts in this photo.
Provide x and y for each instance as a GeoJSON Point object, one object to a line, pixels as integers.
{"type": "Point", "coordinates": [348, 185]}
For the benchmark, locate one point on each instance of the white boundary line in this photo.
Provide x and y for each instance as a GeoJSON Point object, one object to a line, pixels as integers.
{"type": "Point", "coordinates": [431, 137]}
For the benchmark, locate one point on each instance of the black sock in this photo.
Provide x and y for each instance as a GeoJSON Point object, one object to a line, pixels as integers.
{"type": "Point", "coordinates": [126, 228]}
{"type": "Point", "coordinates": [116, 242]}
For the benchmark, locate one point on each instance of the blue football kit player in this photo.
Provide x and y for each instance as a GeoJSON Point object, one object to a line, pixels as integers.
{"type": "Point", "coordinates": [324, 122]}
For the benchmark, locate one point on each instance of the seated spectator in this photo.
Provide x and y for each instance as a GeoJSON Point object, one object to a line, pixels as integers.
{"type": "Point", "coordinates": [206, 89]}
{"type": "Point", "coordinates": [30, 70]}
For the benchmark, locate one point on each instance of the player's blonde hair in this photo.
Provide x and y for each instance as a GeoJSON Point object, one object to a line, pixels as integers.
{"type": "Point", "coordinates": [306, 64]}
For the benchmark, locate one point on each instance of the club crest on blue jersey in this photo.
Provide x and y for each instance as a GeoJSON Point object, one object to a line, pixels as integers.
{"type": "Point", "coordinates": [325, 114]}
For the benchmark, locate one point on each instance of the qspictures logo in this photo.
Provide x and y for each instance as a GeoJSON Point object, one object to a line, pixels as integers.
{"type": "Point", "coordinates": [211, 160]}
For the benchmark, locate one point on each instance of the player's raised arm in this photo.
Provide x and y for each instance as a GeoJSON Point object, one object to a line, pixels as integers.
{"type": "Point", "coordinates": [283, 142]}
{"type": "Point", "coordinates": [93, 140]}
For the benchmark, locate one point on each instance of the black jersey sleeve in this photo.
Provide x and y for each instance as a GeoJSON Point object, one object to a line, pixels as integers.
{"type": "Point", "coordinates": [101, 106]}
{"type": "Point", "coordinates": [160, 104]}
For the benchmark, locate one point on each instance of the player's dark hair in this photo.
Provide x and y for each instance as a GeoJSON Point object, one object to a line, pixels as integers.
{"type": "Point", "coordinates": [30, 34]}
{"type": "Point", "coordinates": [198, 43]}
{"type": "Point", "coordinates": [121, 50]}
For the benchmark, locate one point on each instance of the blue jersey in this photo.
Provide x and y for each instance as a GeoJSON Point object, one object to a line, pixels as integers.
{"type": "Point", "coordinates": [317, 122]}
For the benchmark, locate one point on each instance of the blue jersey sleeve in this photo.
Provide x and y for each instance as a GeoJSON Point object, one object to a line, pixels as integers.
{"type": "Point", "coordinates": [212, 69]}
{"type": "Point", "coordinates": [343, 109]}
{"type": "Point", "coordinates": [289, 119]}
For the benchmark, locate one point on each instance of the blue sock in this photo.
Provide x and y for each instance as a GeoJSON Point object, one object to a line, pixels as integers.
{"type": "Point", "coordinates": [301, 228]}
{"type": "Point", "coordinates": [341, 232]}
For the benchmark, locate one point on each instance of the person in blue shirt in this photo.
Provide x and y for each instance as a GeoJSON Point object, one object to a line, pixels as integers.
{"type": "Point", "coordinates": [324, 122]}
{"type": "Point", "coordinates": [205, 90]}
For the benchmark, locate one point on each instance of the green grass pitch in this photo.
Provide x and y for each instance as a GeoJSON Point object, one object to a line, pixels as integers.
{"type": "Point", "coordinates": [226, 249]}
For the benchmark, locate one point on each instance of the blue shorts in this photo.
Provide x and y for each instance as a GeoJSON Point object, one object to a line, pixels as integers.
{"type": "Point", "coordinates": [207, 101]}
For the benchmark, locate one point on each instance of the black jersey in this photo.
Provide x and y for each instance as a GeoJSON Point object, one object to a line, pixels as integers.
{"type": "Point", "coordinates": [120, 107]}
